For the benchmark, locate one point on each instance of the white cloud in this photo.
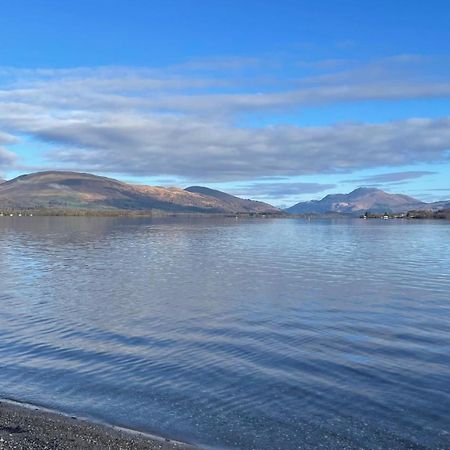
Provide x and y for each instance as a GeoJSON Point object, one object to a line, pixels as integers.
{"type": "Point", "coordinates": [6, 138]}
{"type": "Point", "coordinates": [280, 190]}
{"type": "Point", "coordinates": [7, 159]}
{"type": "Point", "coordinates": [201, 149]}
{"type": "Point", "coordinates": [175, 122]}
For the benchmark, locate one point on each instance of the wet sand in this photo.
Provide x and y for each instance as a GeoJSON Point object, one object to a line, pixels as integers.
{"type": "Point", "coordinates": [23, 427]}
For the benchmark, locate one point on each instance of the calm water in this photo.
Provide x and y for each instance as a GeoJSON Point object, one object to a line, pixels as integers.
{"type": "Point", "coordinates": [263, 334]}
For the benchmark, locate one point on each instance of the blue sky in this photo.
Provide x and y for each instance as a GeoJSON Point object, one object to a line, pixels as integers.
{"type": "Point", "coordinates": [276, 100]}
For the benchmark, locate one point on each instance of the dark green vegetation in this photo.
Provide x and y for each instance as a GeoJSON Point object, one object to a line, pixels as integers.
{"type": "Point", "coordinates": [71, 193]}
{"type": "Point", "coordinates": [440, 214]}
{"type": "Point", "coordinates": [424, 214]}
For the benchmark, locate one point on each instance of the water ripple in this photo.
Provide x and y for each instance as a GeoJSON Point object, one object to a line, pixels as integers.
{"type": "Point", "coordinates": [271, 334]}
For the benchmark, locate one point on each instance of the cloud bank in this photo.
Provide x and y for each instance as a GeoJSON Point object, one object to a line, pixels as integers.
{"type": "Point", "coordinates": [184, 121]}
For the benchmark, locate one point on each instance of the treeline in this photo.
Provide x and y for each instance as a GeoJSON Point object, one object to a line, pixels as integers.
{"type": "Point", "coordinates": [122, 213]}
{"type": "Point", "coordinates": [75, 212]}
{"type": "Point", "coordinates": [441, 214]}
{"type": "Point", "coordinates": [419, 214]}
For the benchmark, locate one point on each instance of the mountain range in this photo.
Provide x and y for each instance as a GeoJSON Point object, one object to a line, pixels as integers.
{"type": "Point", "coordinates": [69, 191]}
{"type": "Point", "coordinates": [82, 191]}
{"type": "Point", "coordinates": [364, 199]}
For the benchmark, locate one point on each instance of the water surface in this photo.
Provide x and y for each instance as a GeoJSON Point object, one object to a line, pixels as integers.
{"type": "Point", "coordinates": [246, 334]}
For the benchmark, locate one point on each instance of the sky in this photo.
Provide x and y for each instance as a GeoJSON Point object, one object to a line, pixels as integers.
{"type": "Point", "coordinates": [280, 101]}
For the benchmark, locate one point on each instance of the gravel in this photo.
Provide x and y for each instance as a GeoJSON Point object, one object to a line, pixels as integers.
{"type": "Point", "coordinates": [25, 428]}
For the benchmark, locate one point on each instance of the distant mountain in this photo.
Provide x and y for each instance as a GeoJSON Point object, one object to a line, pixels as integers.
{"type": "Point", "coordinates": [358, 201]}
{"type": "Point", "coordinates": [2, 180]}
{"type": "Point", "coordinates": [438, 206]}
{"type": "Point", "coordinates": [232, 202]}
{"type": "Point", "coordinates": [82, 191]}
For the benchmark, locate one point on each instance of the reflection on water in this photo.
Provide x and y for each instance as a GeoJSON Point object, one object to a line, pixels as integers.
{"type": "Point", "coordinates": [266, 334]}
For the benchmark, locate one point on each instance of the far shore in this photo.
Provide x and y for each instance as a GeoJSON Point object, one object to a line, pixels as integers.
{"type": "Point", "coordinates": [440, 214]}
{"type": "Point", "coordinates": [24, 427]}
{"type": "Point", "coordinates": [127, 213]}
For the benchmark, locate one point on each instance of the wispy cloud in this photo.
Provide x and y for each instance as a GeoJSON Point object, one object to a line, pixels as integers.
{"type": "Point", "coordinates": [186, 89]}
{"type": "Point", "coordinates": [221, 64]}
{"type": "Point", "coordinates": [391, 177]}
{"type": "Point", "coordinates": [281, 190]}
{"type": "Point", "coordinates": [6, 138]}
{"type": "Point", "coordinates": [7, 158]}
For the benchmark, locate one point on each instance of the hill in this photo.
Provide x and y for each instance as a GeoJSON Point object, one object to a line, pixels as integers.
{"type": "Point", "coordinates": [358, 201]}
{"type": "Point", "coordinates": [232, 202]}
{"type": "Point", "coordinates": [82, 191]}
{"type": "Point", "coordinates": [438, 206]}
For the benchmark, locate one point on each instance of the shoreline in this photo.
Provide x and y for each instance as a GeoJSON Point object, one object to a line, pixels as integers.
{"type": "Point", "coordinates": [24, 426]}
{"type": "Point", "coordinates": [136, 214]}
